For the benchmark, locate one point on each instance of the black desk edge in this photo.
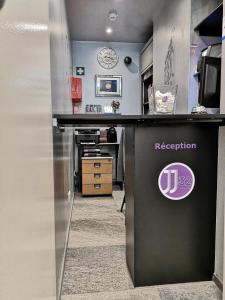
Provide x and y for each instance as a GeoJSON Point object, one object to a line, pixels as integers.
{"type": "Point", "coordinates": [66, 120]}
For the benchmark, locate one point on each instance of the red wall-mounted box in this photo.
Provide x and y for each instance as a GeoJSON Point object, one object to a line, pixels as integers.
{"type": "Point", "coordinates": [76, 89]}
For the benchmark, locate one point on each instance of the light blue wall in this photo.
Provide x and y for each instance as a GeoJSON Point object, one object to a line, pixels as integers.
{"type": "Point", "coordinates": [85, 55]}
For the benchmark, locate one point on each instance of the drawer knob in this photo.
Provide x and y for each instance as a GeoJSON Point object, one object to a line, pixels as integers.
{"type": "Point", "coordinates": [97, 165]}
{"type": "Point", "coordinates": [97, 176]}
{"type": "Point", "coordinates": [97, 186]}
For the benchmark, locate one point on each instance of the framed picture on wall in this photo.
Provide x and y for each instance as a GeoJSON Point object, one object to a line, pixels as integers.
{"type": "Point", "coordinates": [108, 85]}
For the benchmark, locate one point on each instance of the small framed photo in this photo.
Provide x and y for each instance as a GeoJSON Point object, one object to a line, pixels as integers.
{"type": "Point", "coordinates": [108, 86]}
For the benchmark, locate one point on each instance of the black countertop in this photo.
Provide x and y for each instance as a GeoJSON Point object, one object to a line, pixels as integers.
{"type": "Point", "coordinates": [116, 119]}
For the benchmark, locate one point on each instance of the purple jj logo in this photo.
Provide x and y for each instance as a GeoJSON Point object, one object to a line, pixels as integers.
{"type": "Point", "coordinates": [176, 181]}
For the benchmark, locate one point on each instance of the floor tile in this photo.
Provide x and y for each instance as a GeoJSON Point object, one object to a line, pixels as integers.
{"type": "Point", "coordinates": [96, 265]}
{"type": "Point", "coordinates": [97, 232]}
{"type": "Point", "coordinates": [146, 293]}
{"type": "Point", "coordinates": [121, 295]}
{"type": "Point", "coordinates": [94, 208]}
{"type": "Point", "coordinates": [95, 269]}
{"type": "Point", "coordinates": [191, 291]}
{"type": "Point", "coordinates": [133, 294]}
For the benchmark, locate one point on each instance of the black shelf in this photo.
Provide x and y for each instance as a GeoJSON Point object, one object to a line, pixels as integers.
{"type": "Point", "coordinates": [148, 78]}
{"type": "Point", "coordinates": [212, 25]}
{"type": "Point", "coordinates": [145, 86]}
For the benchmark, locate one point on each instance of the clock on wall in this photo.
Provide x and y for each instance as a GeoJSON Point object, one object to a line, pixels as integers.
{"type": "Point", "coordinates": [108, 58]}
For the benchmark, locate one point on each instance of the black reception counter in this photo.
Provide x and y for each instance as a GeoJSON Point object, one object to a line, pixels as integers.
{"type": "Point", "coordinates": [171, 193]}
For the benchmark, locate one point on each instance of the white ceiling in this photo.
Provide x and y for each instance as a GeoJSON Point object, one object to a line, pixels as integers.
{"type": "Point", "coordinates": [88, 19]}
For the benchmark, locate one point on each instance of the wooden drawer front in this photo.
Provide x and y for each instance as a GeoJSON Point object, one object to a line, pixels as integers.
{"type": "Point", "coordinates": [97, 167]}
{"type": "Point", "coordinates": [97, 189]}
{"type": "Point", "coordinates": [96, 178]}
{"type": "Point", "coordinates": [93, 161]}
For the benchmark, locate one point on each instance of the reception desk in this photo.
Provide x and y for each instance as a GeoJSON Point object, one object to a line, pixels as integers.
{"type": "Point", "coordinates": [171, 194]}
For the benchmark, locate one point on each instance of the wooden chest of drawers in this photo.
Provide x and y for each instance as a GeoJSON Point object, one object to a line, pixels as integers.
{"type": "Point", "coordinates": [97, 176]}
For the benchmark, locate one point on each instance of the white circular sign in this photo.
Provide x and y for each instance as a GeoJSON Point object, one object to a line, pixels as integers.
{"type": "Point", "coordinates": [176, 181]}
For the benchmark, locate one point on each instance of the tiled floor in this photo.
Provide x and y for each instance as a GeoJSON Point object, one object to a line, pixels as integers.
{"type": "Point", "coordinates": [95, 263]}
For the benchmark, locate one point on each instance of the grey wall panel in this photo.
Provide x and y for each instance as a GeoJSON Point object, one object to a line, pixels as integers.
{"type": "Point", "coordinates": [63, 191]}
{"type": "Point", "coordinates": [222, 104]}
{"type": "Point", "coordinates": [130, 196]}
{"type": "Point", "coordinates": [27, 229]}
{"type": "Point", "coordinates": [60, 58]}
{"type": "Point", "coordinates": [173, 22]}
{"type": "Point", "coordinates": [220, 207]}
{"type": "Point", "coordinates": [219, 269]}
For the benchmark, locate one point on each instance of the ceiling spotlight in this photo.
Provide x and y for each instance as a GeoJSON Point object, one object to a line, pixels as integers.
{"type": "Point", "coordinates": [109, 30]}
{"type": "Point", "coordinates": [113, 15]}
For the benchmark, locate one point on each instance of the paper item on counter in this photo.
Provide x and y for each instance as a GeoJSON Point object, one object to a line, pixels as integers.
{"type": "Point", "coordinates": [108, 110]}
{"type": "Point", "coordinates": [164, 102]}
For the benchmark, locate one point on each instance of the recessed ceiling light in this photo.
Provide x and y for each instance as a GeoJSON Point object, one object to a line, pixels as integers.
{"type": "Point", "coordinates": [113, 15]}
{"type": "Point", "coordinates": [109, 30]}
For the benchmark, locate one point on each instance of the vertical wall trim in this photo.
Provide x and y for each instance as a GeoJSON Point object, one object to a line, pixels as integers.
{"type": "Point", "coordinates": [223, 111]}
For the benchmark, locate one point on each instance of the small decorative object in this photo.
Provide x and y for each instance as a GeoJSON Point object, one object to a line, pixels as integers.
{"type": "Point", "coordinates": [169, 69]}
{"type": "Point", "coordinates": [127, 60]}
{"type": "Point", "coordinates": [107, 58]}
{"type": "Point", "coordinates": [162, 99]}
{"type": "Point", "coordinates": [199, 110]}
{"type": "Point", "coordinates": [115, 105]}
{"type": "Point", "coordinates": [112, 135]}
{"type": "Point", "coordinates": [103, 136]}
{"type": "Point", "coordinates": [108, 86]}
{"type": "Point", "coordinates": [92, 108]}
{"type": "Point", "coordinates": [87, 108]}
{"type": "Point", "coordinates": [108, 109]}
{"type": "Point", "coordinates": [76, 109]}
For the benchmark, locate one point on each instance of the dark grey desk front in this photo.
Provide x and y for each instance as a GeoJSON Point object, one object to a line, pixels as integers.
{"type": "Point", "coordinates": [171, 190]}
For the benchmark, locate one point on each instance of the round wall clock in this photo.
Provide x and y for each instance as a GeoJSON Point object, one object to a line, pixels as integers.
{"type": "Point", "coordinates": [108, 58]}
